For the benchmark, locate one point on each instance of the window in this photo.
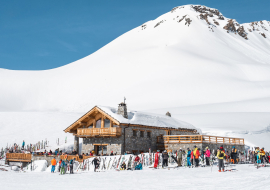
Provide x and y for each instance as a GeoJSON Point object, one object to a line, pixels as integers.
{"type": "Point", "coordinates": [107, 123]}
{"type": "Point", "coordinates": [134, 133]}
{"type": "Point", "coordinates": [149, 134]}
{"type": "Point", "coordinates": [91, 126]}
{"type": "Point", "coordinates": [141, 133]}
{"type": "Point", "coordinates": [114, 125]}
{"type": "Point", "coordinates": [98, 123]}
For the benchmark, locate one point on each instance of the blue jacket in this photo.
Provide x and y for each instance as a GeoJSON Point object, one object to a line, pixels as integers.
{"type": "Point", "coordinates": [189, 153]}
{"type": "Point", "coordinates": [138, 167]}
{"type": "Point", "coordinates": [63, 164]}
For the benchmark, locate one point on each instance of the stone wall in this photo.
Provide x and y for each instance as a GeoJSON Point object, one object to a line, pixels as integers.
{"type": "Point", "coordinates": [47, 158]}
{"type": "Point", "coordinates": [131, 143]}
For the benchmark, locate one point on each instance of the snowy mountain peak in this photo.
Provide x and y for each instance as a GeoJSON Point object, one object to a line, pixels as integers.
{"type": "Point", "coordinates": [213, 19]}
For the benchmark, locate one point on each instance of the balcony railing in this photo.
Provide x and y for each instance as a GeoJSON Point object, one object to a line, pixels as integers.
{"type": "Point", "coordinates": [202, 139]}
{"type": "Point", "coordinates": [92, 132]}
{"type": "Point", "coordinates": [18, 157]}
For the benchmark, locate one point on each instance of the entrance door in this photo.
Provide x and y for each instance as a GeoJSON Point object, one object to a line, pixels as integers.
{"type": "Point", "coordinates": [101, 149]}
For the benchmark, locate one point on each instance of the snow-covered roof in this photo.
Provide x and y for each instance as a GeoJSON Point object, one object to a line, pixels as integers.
{"type": "Point", "coordinates": [147, 119]}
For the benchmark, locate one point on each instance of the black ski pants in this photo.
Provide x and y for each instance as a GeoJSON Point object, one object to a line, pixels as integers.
{"type": "Point", "coordinates": [71, 168]}
{"type": "Point", "coordinates": [165, 162]}
{"type": "Point", "coordinates": [207, 161]}
{"type": "Point", "coordinates": [197, 162]}
{"type": "Point", "coordinates": [220, 164]}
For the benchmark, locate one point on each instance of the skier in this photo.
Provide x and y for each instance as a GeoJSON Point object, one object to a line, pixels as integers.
{"type": "Point", "coordinates": [156, 159]}
{"type": "Point", "coordinates": [207, 155]}
{"type": "Point", "coordinates": [180, 157]}
{"type": "Point", "coordinates": [63, 167]}
{"type": "Point", "coordinates": [66, 165]}
{"type": "Point", "coordinates": [197, 155]}
{"type": "Point", "coordinates": [234, 154]}
{"type": "Point", "coordinates": [139, 166]}
{"type": "Point", "coordinates": [123, 166]}
{"type": "Point", "coordinates": [53, 162]}
{"type": "Point", "coordinates": [23, 144]}
{"type": "Point", "coordinates": [59, 167]}
{"type": "Point", "coordinates": [220, 155]}
{"type": "Point", "coordinates": [188, 157]}
{"type": "Point", "coordinates": [165, 158]}
{"type": "Point", "coordinates": [96, 163]}
{"type": "Point", "coordinates": [262, 154]}
{"type": "Point", "coordinates": [71, 165]}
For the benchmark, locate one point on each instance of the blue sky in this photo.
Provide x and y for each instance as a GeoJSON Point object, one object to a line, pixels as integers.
{"type": "Point", "coordinates": [38, 35]}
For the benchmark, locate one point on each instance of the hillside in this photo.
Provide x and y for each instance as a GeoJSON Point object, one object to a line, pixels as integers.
{"type": "Point", "coordinates": [189, 59]}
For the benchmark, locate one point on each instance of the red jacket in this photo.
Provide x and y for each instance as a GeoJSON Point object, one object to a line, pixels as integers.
{"type": "Point", "coordinates": [197, 155]}
{"type": "Point", "coordinates": [137, 159]}
{"type": "Point", "coordinates": [191, 155]}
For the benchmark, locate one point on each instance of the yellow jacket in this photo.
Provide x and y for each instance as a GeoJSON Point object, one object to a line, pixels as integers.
{"type": "Point", "coordinates": [262, 152]}
{"type": "Point", "coordinates": [219, 154]}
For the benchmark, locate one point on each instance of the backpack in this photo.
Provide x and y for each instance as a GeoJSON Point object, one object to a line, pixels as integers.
{"type": "Point", "coordinates": [221, 154]}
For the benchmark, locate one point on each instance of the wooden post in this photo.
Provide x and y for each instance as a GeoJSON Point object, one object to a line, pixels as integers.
{"type": "Point", "coordinates": [209, 139]}
{"type": "Point", "coordinates": [102, 122]}
{"type": "Point", "coordinates": [94, 123]}
{"type": "Point", "coordinates": [223, 140]}
{"type": "Point", "coordinates": [216, 139]}
{"type": "Point", "coordinates": [201, 139]}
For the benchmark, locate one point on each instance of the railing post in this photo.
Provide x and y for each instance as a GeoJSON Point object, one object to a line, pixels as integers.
{"type": "Point", "coordinates": [209, 139]}
{"type": "Point", "coordinates": [216, 139]}
{"type": "Point", "coordinates": [201, 139]}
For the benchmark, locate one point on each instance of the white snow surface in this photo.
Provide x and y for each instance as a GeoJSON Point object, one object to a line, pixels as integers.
{"type": "Point", "coordinates": [217, 81]}
{"type": "Point", "coordinates": [183, 178]}
{"type": "Point", "coordinates": [147, 119]}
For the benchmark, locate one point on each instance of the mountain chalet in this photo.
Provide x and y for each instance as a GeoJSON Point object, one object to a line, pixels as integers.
{"type": "Point", "coordinates": [106, 129]}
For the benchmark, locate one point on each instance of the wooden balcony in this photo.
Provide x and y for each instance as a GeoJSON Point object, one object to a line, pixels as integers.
{"type": "Point", "coordinates": [184, 139]}
{"type": "Point", "coordinates": [99, 132]}
{"type": "Point", "coordinates": [18, 157]}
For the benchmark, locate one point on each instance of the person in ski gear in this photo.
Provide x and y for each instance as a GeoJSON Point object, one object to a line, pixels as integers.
{"type": "Point", "coordinates": [96, 163]}
{"type": "Point", "coordinates": [188, 157]}
{"type": "Point", "coordinates": [234, 154]}
{"type": "Point", "coordinates": [23, 144]}
{"type": "Point", "coordinates": [53, 162]}
{"type": "Point", "coordinates": [139, 166]}
{"type": "Point", "coordinates": [71, 166]}
{"type": "Point", "coordinates": [179, 157]}
{"type": "Point", "coordinates": [191, 157]}
{"type": "Point", "coordinates": [262, 155]}
{"type": "Point", "coordinates": [165, 157]}
{"type": "Point", "coordinates": [63, 167]}
{"type": "Point", "coordinates": [207, 156]}
{"type": "Point", "coordinates": [197, 155]}
{"type": "Point", "coordinates": [111, 153]}
{"type": "Point", "coordinates": [156, 159]}
{"type": "Point", "coordinates": [59, 167]}
{"type": "Point", "coordinates": [123, 166]}
{"type": "Point", "coordinates": [221, 155]}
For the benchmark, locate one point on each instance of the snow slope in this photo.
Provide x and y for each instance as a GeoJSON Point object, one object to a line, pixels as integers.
{"type": "Point", "coordinates": [186, 178]}
{"type": "Point", "coordinates": [184, 58]}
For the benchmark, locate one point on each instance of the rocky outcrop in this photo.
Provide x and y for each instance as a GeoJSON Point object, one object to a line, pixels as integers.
{"type": "Point", "coordinates": [188, 21]}
{"type": "Point", "coordinates": [263, 34]}
{"type": "Point", "coordinates": [241, 31]}
{"type": "Point", "coordinates": [230, 26]}
{"type": "Point", "coordinates": [216, 23]}
{"type": "Point", "coordinates": [158, 23]}
{"type": "Point", "coordinates": [204, 17]}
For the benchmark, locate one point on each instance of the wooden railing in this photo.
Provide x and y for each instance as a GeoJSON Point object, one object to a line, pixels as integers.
{"type": "Point", "coordinates": [69, 157]}
{"type": "Point", "coordinates": [18, 157]}
{"type": "Point", "coordinates": [202, 139]}
{"type": "Point", "coordinates": [111, 131]}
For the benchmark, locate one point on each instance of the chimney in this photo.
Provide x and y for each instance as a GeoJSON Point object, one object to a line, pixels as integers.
{"type": "Point", "coordinates": [122, 110]}
{"type": "Point", "coordinates": [168, 114]}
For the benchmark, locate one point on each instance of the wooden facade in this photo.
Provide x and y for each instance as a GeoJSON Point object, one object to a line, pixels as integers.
{"type": "Point", "coordinates": [87, 126]}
